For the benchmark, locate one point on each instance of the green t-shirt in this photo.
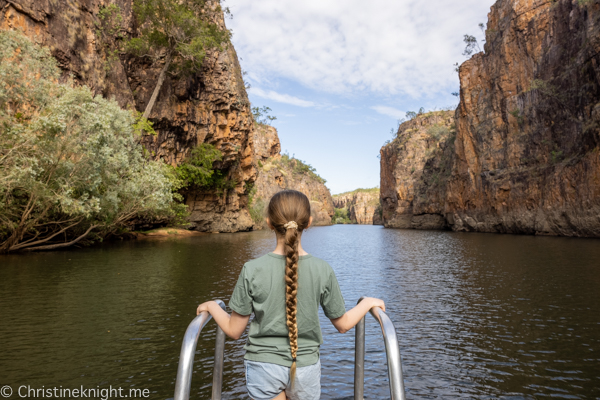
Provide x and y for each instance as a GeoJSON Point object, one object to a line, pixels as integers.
{"type": "Point", "coordinates": [261, 289]}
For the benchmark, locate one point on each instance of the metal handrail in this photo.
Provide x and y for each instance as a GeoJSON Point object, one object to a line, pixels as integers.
{"type": "Point", "coordinates": [392, 350]}
{"type": "Point", "coordinates": [186, 357]}
{"type": "Point", "coordinates": [190, 341]}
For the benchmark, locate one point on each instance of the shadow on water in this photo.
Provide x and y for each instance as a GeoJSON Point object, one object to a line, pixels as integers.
{"type": "Point", "coordinates": [478, 316]}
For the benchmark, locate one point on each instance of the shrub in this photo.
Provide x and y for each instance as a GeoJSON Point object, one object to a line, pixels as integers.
{"type": "Point", "coordinates": [257, 211]}
{"type": "Point", "coordinates": [341, 216]}
{"type": "Point", "coordinates": [71, 165]}
{"type": "Point", "coordinates": [197, 170]}
{"type": "Point", "coordinates": [300, 167]}
{"type": "Point", "coordinates": [438, 132]}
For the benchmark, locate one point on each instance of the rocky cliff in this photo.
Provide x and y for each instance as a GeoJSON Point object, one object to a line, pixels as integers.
{"type": "Point", "coordinates": [277, 172]}
{"type": "Point", "coordinates": [363, 206]}
{"type": "Point", "coordinates": [526, 155]}
{"type": "Point", "coordinates": [209, 107]}
{"type": "Point", "coordinates": [415, 167]}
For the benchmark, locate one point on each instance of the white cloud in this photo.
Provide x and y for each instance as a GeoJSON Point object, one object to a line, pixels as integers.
{"type": "Point", "coordinates": [282, 98]}
{"type": "Point", "coordinates": [389, 111]}
{"type": "Point", "coordinates": [386, 47]}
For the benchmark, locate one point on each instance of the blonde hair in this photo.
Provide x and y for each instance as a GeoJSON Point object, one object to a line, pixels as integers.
{"type": "Point", "coordinates": [284, 208]}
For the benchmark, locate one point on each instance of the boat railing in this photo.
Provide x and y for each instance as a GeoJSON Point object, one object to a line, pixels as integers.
{"type": "Point", "coordinates": [190, 341]}
{"type": "Point", "coordinates": [392, 350]}
{"type": "Point", "coordinates": [183, 383]}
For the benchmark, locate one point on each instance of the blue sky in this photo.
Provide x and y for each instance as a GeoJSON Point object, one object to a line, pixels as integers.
{"type": "Point", "coordinates": [338, 74]}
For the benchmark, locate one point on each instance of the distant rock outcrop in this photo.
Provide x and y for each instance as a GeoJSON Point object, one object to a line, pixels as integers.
{"type": "Point", "coordinates": [525, 157]}
{"type": "Point", "coordinates": [362, 206]}
{"type": "Point", "coordinates": [277, 172]}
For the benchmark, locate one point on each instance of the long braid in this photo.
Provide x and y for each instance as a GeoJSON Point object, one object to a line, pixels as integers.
{"type": "Point", "coordinates": [289, 214]}
{"type": "Point", "coordinates": [291, 300]}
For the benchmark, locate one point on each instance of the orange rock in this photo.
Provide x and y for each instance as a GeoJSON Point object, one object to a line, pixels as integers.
{"type": "Point", "coordinates": [526, 158]}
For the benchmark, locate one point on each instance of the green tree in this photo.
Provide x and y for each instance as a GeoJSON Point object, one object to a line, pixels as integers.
{"type": "Point", "coordinates": [471, 42]}
{"type": "Point", "coordinates": [341, 216]}
{"type": "Point", "coordinates": [197, 170]}
{"type": "Point", "coordinates": [70, 163]}
{"type": "Point", "coordinates": [178, 31]}
{"type": "Point", "coordinates": [261, 115]}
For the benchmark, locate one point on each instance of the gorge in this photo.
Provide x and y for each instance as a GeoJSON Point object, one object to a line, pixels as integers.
{"type": "Point", "coordinates": [521, 153]}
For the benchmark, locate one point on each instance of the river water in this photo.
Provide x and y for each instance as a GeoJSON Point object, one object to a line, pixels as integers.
{"type": "Point", "coordinates": [478, 315]}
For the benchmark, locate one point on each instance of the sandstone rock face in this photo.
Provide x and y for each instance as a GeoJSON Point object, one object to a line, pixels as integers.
{"type": "Point", "coordinates": [526, 158]}
{"type": "Point", "coordinates": [277, 172]}
{"type": "Point", "coordinates": [363, 205]}
{"type": "Point", "coordinates": [527, 147]}
{"type": "Point", "coordinates": [414, 170]}
{"type": "Point", "coordinates": [209, 107]}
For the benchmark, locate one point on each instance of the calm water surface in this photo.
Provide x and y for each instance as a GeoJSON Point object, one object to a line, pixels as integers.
{"type": "Point", "coordinates": [478, 316]}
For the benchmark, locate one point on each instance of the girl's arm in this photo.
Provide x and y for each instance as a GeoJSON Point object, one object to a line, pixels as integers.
{"type": "Point", "coordinates": [347, 321]}
{"type": "Point", "coordinates": [233, 325]}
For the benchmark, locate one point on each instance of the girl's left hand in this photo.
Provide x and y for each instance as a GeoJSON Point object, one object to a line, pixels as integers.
{"type": "Point", "coordinates": [202, 307]}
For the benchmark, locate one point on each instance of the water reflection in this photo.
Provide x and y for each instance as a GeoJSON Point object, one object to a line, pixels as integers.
{"type": "Point", "coordinates": [478, 316]}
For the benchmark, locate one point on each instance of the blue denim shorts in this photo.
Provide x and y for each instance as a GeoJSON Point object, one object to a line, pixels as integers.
{"type": "Point", "coordinates": [265, 381]}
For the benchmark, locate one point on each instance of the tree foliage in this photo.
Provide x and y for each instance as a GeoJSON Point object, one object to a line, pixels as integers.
{"type": "Point", "coordinates": [299, 167]}
{"type": "Point", "coordinates": [71, 168]}
{"type": "Point", "coordinates": [180, 31]}
{"type": "Point", "coordinates": [182, 28]}
{"type": "Point", "coordinates": [197, 170]}
{"type": "Point", "coordinates": [261, 115]}
{"type": "Point", "coordinates": [341, 216]}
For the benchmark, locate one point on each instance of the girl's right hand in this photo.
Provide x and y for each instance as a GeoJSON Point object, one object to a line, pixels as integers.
{"type": "Point", "coordinates": [373, 302]}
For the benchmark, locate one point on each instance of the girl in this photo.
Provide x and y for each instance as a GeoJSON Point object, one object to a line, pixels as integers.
{"type": "Point", "coordinates": [284, 289]}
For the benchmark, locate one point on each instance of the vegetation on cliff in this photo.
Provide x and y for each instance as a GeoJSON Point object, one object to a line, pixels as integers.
{"type": "Point", "coordinates": [359, 206]}
{"type": "Point", "coordinates": [299, 167]}
{"type": "Point", "coordinates": [341, 216]}
{"type": "Point", "coordinates": [198, 172]}
{"type": "Point", "coordinates": [278, 171]}
{"type": "Point", "coordinates": [262, 115]}
{"type": "Point", "coordinates": [71, 166]}
{"type": "Point", "coordinates": [177, 32]}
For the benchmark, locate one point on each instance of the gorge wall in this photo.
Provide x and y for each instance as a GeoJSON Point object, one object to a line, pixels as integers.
{"type": "Point", "coordinates": [415, 167]}
{"type": "Point", "coordinates": [526, 153]}
{"type": "Point", "coordinates": [362, 206]}
{"type": "Point", "coordinates": [208, 107]}
{"type": "Point", "coordinates": [277, 172]}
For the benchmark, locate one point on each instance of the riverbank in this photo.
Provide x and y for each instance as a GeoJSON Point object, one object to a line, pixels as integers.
{"type": "Point", "coordinates": [162, 233]}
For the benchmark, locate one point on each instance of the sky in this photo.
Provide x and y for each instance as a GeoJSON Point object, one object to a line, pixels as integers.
{"type": "Point", "coordinates": [339, 74]}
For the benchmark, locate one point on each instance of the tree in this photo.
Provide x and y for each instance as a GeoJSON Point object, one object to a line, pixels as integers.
{"type": "Point", "coordinates": [471, 42]}
{"type": "Point", "coordinates": [70, 163]}
{"type": "Point", "coordinates": [180, 32]}
{"type": "Point", "coordinates": [472, 45]}
{"type": "Point", "coordinates": [410, 115]}
{"type": "Point", "coordinates": [197, 170]}
{"type": "Point", "coordinates": [261, 115]}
